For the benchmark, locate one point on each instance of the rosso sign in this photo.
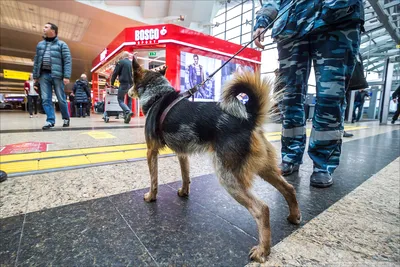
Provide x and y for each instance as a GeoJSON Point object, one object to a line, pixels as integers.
{"type": "Point", "coordinates": [149, 34]}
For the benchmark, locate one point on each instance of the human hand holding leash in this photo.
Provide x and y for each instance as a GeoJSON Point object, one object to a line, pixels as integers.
{"type": "Point", "coordinates": [259, 37]}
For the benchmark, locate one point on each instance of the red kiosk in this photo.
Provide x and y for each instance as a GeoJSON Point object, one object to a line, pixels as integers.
{"type": "Point", "coordinates": [190, 56]}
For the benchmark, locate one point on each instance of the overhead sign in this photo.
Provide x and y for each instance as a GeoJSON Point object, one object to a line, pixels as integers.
{"type": "Point", "coordinates": [16, 75]}
{"type": "Point", "coordinates": [153, 54]}
{"type": "Point", "coordinates": [149, 35]}
{"type": "Point", "coordinates": [103, 54]}
{"type": "Point", "coordinates": [24, 147]}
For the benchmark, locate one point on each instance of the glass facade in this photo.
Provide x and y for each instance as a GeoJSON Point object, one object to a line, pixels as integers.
{"type": "Point", "coordinates": [235, 22]}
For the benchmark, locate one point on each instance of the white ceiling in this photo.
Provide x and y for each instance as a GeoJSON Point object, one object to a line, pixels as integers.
{"type": "Point", "coordinates": [87, 26]}
{"type": "Point", "coordinates": [28, 17]}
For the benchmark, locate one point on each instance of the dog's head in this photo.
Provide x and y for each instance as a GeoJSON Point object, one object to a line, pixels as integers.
{"type": "Point", "coordinates": [142, 77]}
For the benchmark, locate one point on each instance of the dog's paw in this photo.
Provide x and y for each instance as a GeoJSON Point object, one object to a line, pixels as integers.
{"type": "Point", "coordinates": [148, 197]}
{"type": "Point", "coordinates": [183, 193]}
{"type": "Point", "coordinates": [259, 254]}
{"type": "Point", "coordinates": [294, 219]}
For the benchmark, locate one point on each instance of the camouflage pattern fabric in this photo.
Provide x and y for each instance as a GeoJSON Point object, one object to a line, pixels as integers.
{"type": "Point", "coordinates": [307, 16]}
{"type": "Point", "coordinates": [333, 55]}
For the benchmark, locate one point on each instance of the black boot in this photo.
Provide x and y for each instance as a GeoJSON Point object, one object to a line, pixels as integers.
{"type": "Point", "coordinates": [346, 134]}
{"type": "Point", "coordinates": [288, 168]}
{"type": "Point", "coordinates": [321, 179]}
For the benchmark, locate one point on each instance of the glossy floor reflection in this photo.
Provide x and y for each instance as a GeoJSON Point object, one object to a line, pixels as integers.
{"type": "Point", "coordinates": [207, 229]}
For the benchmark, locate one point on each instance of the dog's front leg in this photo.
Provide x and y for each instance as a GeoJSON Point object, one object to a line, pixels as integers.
{"type": "Point", "coordinates": [184, 163]}
{"type": "Point", "coordinates": [152, 162]}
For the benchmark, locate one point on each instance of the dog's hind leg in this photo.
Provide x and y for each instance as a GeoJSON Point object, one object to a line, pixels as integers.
{"type": "Point", "coordinates": [258, 209]}
{"type": "Point", "coordinates": [152, 162]}
{"type": "Point", "coordinates": [184, 163]}
{"type": "Point", "coordinates": [272, 175]}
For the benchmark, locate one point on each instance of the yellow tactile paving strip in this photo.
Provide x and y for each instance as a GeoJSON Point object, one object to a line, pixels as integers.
{"type": "Point", "coordinates": [52, 160]}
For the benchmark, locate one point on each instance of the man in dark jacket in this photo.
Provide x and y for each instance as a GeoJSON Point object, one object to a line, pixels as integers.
{"type": "Point", "coordinates": [52, 67]}
{"type": "Point", "coordinates": [396, 98]}
{"type": "Point", "coordinates": [82, 95]}
{"type": "Point", "coordinates": [123, 70]}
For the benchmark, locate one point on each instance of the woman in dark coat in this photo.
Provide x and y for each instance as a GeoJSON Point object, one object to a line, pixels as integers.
{"type": "Point", "coordinates": [82, 95]}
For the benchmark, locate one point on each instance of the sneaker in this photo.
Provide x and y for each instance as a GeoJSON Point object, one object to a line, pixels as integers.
{"type": "Point", "coordinates": [30, 116]}
{"type": "Point", "coordinates": [48, 126]}
{"type": "Point", "coordinates": [66, 123]}
{"type": "Point", "coordinates": [288, 168]}
{"type": "Point", "coordinates": [128, 117]}
{"type": "Point", "coordinates": [392, 122]}
{"type": "Point", "coordinates": [321, 179]}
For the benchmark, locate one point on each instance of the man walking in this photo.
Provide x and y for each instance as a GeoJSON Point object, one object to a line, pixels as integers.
{"type": "Point", "coordinates": [52, 67]}
{"type": "Point", "coordinates": [123, 70]}
{"type": "Point", "coordinates": [326, 33]}
{"type": "Point", "coordinates": [359, 104]}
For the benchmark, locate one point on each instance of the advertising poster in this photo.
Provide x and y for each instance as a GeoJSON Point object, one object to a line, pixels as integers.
{"type": "Point", "coordinates": [229, 70]}
{"type": "Point", "coordinates": [194, 70]}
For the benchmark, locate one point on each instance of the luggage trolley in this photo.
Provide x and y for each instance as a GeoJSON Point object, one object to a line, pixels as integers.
{"type": "Point", "coordinates": [112, 107]}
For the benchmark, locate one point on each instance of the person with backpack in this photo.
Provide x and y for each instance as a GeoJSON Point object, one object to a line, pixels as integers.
{"type": "Point", "coordinates": [52, 67]}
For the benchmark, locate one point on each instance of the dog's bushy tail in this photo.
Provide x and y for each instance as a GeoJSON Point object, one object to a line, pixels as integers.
{"type": "Point", "coordinates": [257, 89]}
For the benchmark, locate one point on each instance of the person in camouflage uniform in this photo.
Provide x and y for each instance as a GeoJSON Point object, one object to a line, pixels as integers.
{"type": "Point", "coordinates": [326, 33]}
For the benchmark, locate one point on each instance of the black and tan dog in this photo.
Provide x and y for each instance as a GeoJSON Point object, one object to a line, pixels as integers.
{"type": "Point", "coordinates": [230, 131]}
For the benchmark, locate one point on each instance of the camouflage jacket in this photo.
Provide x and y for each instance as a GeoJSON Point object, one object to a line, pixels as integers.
{"type": "Point", "coordinates": [307, 16]}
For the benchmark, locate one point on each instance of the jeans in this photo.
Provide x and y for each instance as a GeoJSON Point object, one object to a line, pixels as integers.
{"type": "Point", "coordinates": [32, 102]}
{"type": "Point", "coordinates": [46, 84]}
{"type": "Point", "coordinates": [359, 106]}
{"type": "Point", "coordinates": [122, 91]}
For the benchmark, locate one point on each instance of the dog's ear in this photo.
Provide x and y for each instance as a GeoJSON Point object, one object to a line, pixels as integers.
{"type": "Point", "coordinates": [163, 70]}
{"type": "Point", "coordinates": [135, 64]}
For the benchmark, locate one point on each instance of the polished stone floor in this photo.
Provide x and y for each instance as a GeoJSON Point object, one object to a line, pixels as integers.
{"type": "Point", "coordinates": [97, 217]}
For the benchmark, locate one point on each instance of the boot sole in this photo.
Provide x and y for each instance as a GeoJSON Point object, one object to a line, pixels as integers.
{"type": "Point", "coordinates": [317, 185]}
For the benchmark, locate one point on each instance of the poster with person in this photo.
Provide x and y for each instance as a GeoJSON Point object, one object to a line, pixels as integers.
{"type": "Point", "coordinates": [229, 70]}
{"type": "Point", "coordinates": [194, 70]}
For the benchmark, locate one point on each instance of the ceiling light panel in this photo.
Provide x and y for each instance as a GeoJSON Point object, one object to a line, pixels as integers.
{"type": "Point", "coordinates": [68, 18]}
{"type": "Point", "coordinates": [32, 18]}
{"type": "Point", "coordinates": [28, 8]}
{"type": "Point", "coordinates": [83, 22]}
{"type": "Point", "coordinates": [50, 13]}
{"type": "Point", "coordinates": [12, 4]}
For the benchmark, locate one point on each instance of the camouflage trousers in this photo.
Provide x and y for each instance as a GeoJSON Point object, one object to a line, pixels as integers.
{"type": "Point", "coordinates": [332, 54]}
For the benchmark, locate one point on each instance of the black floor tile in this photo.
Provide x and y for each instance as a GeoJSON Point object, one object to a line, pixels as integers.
{"type": "Point", "coordinates": [85, 234]}
{"type": "Point", "coordinates": [9, 239]}
{"type": "Point", "coordinates": [208, 229]}
{"type": "Point", "coordinates": [178, 232]}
